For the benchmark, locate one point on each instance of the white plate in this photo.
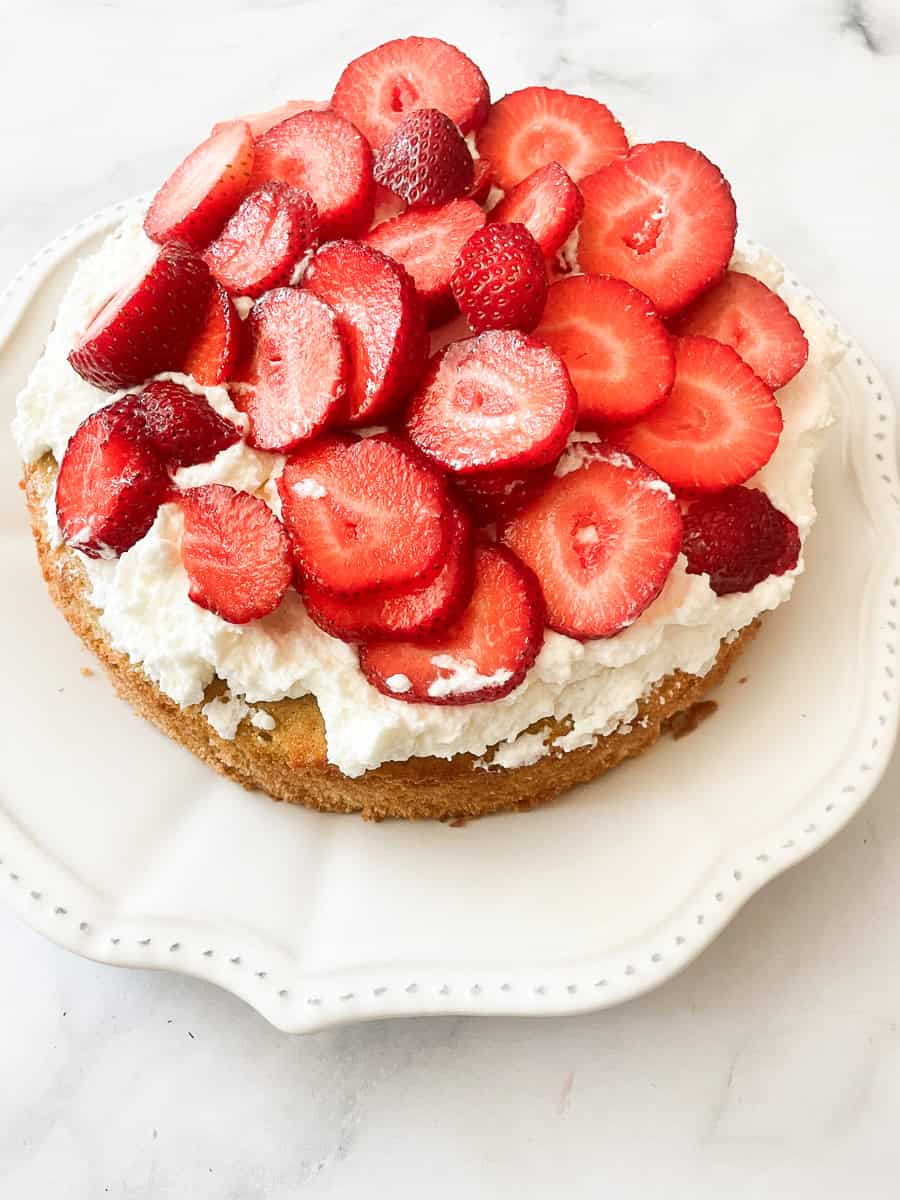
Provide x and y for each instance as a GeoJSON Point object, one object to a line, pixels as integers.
{"type": "Point", "coordinates": [122, 847]}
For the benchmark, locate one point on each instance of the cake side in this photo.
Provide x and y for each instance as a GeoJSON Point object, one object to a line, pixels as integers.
{"type": "Point", "coordinates": [289, 761]}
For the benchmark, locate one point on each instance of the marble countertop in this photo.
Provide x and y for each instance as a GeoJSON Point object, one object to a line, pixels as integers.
{"type": "Point", "coordinates": [772, 1065]}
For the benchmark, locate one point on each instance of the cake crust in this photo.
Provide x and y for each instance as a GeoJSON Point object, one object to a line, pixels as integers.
{"type": "Point", "coordinates": [290, 762]}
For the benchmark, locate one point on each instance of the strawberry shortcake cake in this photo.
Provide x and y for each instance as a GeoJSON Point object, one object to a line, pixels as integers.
{"type": "Point", "coordinates": [416, 455]}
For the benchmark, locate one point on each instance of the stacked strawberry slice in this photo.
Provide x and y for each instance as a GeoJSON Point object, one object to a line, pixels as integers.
{"type": "Point", "coordinates": [592, 295]}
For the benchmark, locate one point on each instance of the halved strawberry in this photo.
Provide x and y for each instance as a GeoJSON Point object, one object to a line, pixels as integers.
{"type": "Point", "coordinates": [746, 315]}
{"type": "Point", "coordinates": [493, 496]}
{"type": "Point", "coordinates": [538, 125]}
{"type": "Point", "coordinates": [496, 401]}
{"type": "Point", "coordinates": [484, 656]}
{"type": "Point", "coordinates": [213, 353]}
{"type": "Point", "coordinates": [260, 245]}
{"type": "Point", "coordinates": [378, 89]}
{"type": "Point", "coordinates": [291, 381]}
{"type": "Point", "coordinates": [183, 428]}
{"type": "Point", "coordinates": [408, 616]}
{"type": "Point", "coordinates": [365, 514]}
{"type": "Point", "coordinates": [663, 219]}
{"type": "Point", "coordinates": [425, 161]}
{"type": "Point", "coordinates": [738, 538]}
{"type": "Point", "coordinates": [320, 153]}
{"type": "Point", "coordinates": [262, 122]}
{"type": "Point", "coordinates": [601, 538]}
{"type": "Point", "coordinates": [719, 425]}
{"type": "Point", "coordinates": [110, 483]}
{"type": "Point", "coordinates": [235, 551]}
{"type": "Point", "coordinates": [427, 244]}
{"type": "Point", "coordinates": [381, 322]}
{"type": "Point", "coordinates": [500, 279]}
{"type": "Point", "coordinates": [547, 203]}
{"type": "Point", "coordinates": [482, 180]}
{"type": "Point", "coordinates": [147, 326]}
{"type": "Point", "coordinates": [616, 348]}
{"type": "Point", "coordinates": [202, 193]}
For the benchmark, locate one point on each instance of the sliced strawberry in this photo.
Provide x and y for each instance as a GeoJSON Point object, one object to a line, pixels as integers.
{"type": "Point", "coordinates": [110, 483]}
{"type": "Point", "coordinates": [202, 193]}
{"type": "Point", "coordinates": [738, 538]}
{"type": "Point", "coordinates": [719, 425]}
{"type": "Point", "coordinates": [538, 125]}
{"type": "Point", "coordinates": [427, 244]}
{"type": "Point", "coordinates": [744, 314]}
{"type": "Point", "coordinates": [365, 514]}
{"type": "Point", "coordinates": [320, 153]}
{"type": "Point", "coordinates": [408, 616]}
{"type": "Point", "coordinates": [483, 656]}
{"type": "Point", "coordinates": [617, 350]}
{"type": "Point", "coordinates": [547, 203]}
{"type": "Point", "coordinates": [602, 538]}
{"type": "Point", "coordinates": [183, 428]}
{"type": "Point", "coordinates": [235, 551]}
{"type": "Point", "coordinates": [381, 322]}
{"type": "Point", "coordinates": [493, 402]}
{"type": "Point", "coordinates": [148, 325]}
{"type": "Point", "coordinates": [262, 122]}
{"type": "Point", "coordinates": [213, 354]}
{"type": "Point", "coordinates": [482, 180]}
{"type": "Point", "coordinates": [493, 496]}
{"type": "Point", "coordinates": [378, 89]}
{"type": "Point", "coordinates": [500, 279]}
{"type": "Point", "coordinates": [260, 245]}
{"type": "Point", "coordinates": [292, 378]}
{"type": "Point", "coordinates": [425, 161]}
{"type": "Point", "coordinates": [663, 219]}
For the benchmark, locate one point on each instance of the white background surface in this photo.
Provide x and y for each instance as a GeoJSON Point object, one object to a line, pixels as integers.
{"type": "Point", "coordinates": [772, 1066]}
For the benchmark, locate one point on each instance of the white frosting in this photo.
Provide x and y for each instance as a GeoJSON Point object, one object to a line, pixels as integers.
{"type": "Point", "coordinates": [144, 606]}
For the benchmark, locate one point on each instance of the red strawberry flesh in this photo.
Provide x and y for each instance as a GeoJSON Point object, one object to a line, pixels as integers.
{"type": "Point", "coordinates": [378, 89]}
{"type": "Point", "coordinates": [322, 154]}
{"type": "Point", "coordinates": [381, 322]}
{"type": "Point", "coordinates": [202, 193]}
{"type": "Point", "coordinates": [425, 161]}
{"type": "Point", "coordinates": [663, 219]}
{"type": "Point", "coordinates": [110, 483]}
{"type": "Point", "coordinates": [235, 551]}
{"type": "Point", "coordinates": [213, 353]}
{"type": "Point", "coordinates": [292, 379]}
{"type": "Point", "coordinates": [262, 122]}
{"type": "Point", "coordinates": [719, 425]}
{"type": "Point", "coordinates": [746, 315]}
{"type": "Point", "coordinates": [601, 539]}
{"type": "Point", "coordinates": [493, 402]}
{"type": "Point", "coordinates": [407, 616]}
{"type": "Point", "coordinates": [365, 514]}
{"type": "Point", "coordinates": [494, 496]}
{"type": "Point", "coordinates": [617, 351]}
{"type": "Point", "coordinates": [148, 325]}
{"type": "Point", "coordinates": [427, 244]}
{"type": "Point", "coordinates": [260, 245]}
{"type": "Point", "coordinates": [482, 657]}
{"type": "Point", "coordinates": [527, 129]}
{"type": "Point", "coordinates": [547, 203]}
{"type": "Point", "coordinates": [738, 538]}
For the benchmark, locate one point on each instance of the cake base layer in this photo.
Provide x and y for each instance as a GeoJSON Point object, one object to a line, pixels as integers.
{"type": "Point", "coordinates": [290, 762]}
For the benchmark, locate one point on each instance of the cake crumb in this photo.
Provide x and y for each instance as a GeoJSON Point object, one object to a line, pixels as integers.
{"type": "Point", "coordinates": [87, 672]}
{"type": "Point", "coordinates": [21, 485]}
{"type": "Point", "coordinates": [683, 723]}
{"type": "Point", "coordinates": [457, 823]}
{"type": "Point", "coordinates": [743, 679]}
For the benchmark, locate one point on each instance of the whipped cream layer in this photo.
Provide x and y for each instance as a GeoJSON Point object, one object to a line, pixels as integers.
{"type": "Point", "coordinates": [143, 602]}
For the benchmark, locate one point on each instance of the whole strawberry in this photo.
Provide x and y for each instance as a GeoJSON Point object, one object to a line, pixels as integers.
{"type": "Point", "coordinates": [425, 161]}
{"type": "Point", "coordinates": [500, 279]}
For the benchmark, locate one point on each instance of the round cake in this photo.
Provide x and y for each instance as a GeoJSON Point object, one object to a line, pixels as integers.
{"type": "Point", "coordinates": [366, 578]}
